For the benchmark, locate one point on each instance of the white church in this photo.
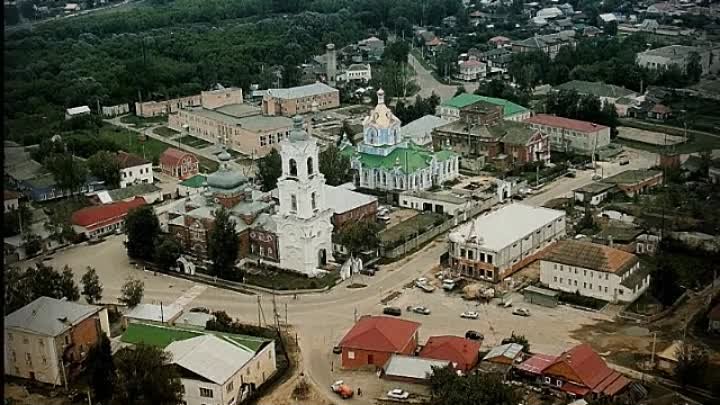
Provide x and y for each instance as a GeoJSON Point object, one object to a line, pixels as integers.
{"type": "Point", "coordinates": [304, 228]}
{"type": "Point", "coordinates": [385, 160]}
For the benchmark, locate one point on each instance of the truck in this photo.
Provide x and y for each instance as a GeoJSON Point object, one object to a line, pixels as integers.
{"type": "Point", "coordinates": [343, 390]}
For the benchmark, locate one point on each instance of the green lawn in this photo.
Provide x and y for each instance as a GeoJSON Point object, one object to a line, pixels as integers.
{"type": "Point", "coordinates": [194, 142]}
{"type": "Point", "coordinates": [150, 149]}
{"type": "Point", "coordinates": [162, 336]}
{"type": "Point", "coordinates": [285, 280]}
{"type": "Point", "coordinates": [165, 131]}
{"type": "Point", "coordinates": [140, 122]}
{"type": "Point", "coordinates": [411, 226]}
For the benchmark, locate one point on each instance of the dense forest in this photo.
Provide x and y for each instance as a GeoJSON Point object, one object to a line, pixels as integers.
{"type": "Point", "coordinates": [161, 48]}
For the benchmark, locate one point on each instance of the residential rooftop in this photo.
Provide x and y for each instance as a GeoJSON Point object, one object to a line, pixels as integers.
{"type": "Point", "coordinates": [565, 123]}
{"type": "Point", "coordinates": [437, 196]}
{"type": "Point", "coordinates": [594, 188]}
{"type": "Point", "coordinates": [632, 176]}
{"type": "Point", "coordinates": [591, 256]}
{"type": "Point", "coordinates": [155, 313]}
{"type": "Point", "coordinates": [132, 191]}
{"type": "Point", "coordinates": [671, 51]}
{"type": "Point", "coordinates": [422, 127]}
{"type": "Point", "coordinates": [466, 99]}
{"type": "Point", "coordinates": [499, 229]}
{"type": "Point", "coordinates": [250, 123]}
{"type": "Point", "coordinates": [215, 358]}
{"type": "Point", "coordinates": [598, 89]}
{"type": "Point", "coordinates": [412, 367]}
{"type": "Point", "coordinates": [49, 316]}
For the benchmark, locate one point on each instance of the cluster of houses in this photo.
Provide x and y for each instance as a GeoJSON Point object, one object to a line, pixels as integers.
{"type": "Point", "coordinates": [48, 341]}
{"type": "Point", "coordinates": [392, 347]}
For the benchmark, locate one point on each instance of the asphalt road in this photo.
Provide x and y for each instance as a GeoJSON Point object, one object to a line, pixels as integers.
{"type": "Point", "coordinates": [428, 84]}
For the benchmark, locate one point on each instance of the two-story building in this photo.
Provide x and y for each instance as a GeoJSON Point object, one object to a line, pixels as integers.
{"type": "Point", "coordinates": [49, 339]}
{"type": "Point", "coordinates": [300, 100]}
{"type": "Point", "coordinates": [594, 270]}
{"type": "Point", "coordinates": [493, 246]}
{"type": "Point", "coordinates": [548, 44]}
{"type": "Point", "coordinates": [133, 169]}
{"type": "Point", "coordinates": [470, 70]}
{"type": "Point", "coordinates": [569, 135]}
{"type": "Point", "coordinates": [679, 56]}
{"type": "Point", "coordinates": [450, 109]}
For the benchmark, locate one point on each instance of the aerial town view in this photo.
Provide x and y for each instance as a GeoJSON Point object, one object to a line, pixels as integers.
{"type": "Point", "coordinates": [391, 202]}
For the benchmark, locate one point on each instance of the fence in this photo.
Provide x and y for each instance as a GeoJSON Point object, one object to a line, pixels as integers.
{"type": "Point", "coordinates": [425, 237]}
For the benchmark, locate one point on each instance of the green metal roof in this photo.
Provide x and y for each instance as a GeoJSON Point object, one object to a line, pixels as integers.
{"type": "Point", "coordinates": [194, 182]}
{"type": "Point", "coordinates": [410, 159]}
{"type": "Point", "coordinates": [466, 99]}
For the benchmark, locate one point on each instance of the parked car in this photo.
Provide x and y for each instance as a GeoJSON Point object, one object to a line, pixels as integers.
{"type": "Point", "coordinates": [337, 350]}
{"type": "Point", "coordinates": [570, 174]}
{"type": "Point", "coordinates": [469, 315]}
{"type": "Point", "coordinates": [521, 311]}
{"type": "Point", "coordinates": [200, 309]}
{"type": "Point", "coordinates": [474, 335]}
{"type": "Point", "coordinates": [624, 161]}
{"type": "Point", "coordinates": [596, 177]}
{"type": "Point", "coordinates": [423, 284]}
{"type": "Point", "coordinates": [367, 272]}
{"type": "Point", "coordinates": [339, 387]}
{"type": "Point", "coordinates": [397, 393]}
{"type": "Point", "coordinates": [394, 311]}
{"type": "Point", "coordinates": [419, 309]}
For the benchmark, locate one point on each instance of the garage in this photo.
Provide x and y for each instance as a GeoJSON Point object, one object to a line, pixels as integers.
{"type": "Point", "coordinates": [541, 296]}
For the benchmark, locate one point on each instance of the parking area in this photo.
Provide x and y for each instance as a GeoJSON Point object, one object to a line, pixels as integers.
{"type": "Point", "coordinates": [547, 329]}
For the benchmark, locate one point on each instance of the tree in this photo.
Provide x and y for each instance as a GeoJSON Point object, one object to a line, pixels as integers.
{"type": "Point", "coordinates": [167, 251]}
{"type": "Point", "coordinates": [16, 220]}
{"type": "Point", "coordinates": [33, 244]}
{"type": "Point", "coordinates": [347, 132]}
{"type": "Point", "coordinates": [396, 52]}
{"type": "Point", "coordinates": [92, 288]}
{"type": "Point", "coordinates": [448, 388]}
{"type": "Point", "coordinates": [27, 9]}
{"type": "Point", "coordinates": [664, 282]}
{"type": "Point", "coordinates": [383, 33]}
{"type": "Point", "coordinates": [694, 68]}
{"type": "Point", "coordinates": [101, 369]}
{"type": "Point", "coordinates": [105, 166]}
{"type": "Point", "coordinates": [23, 287]}
{"type": "Point", "coordinates": [69, 173]}
{"type": "Point", "coordinates": [142, 228]}
{"type": "Point", "coordinates": [269, 170]}
{"type": "Point", "coordinates": [403, 27]}
{"type": "Point", "coordinates": [446, 62]}
{"type": "Point", "coordinates": [691, 365]}
{"type": "Point", "coordinates": [132, 292]}
{"type": "Point", "coordinates": [144, 378]}
{"type": "Point", "coordinates": [12, 15]}
{"type": "Point", "coordinates": [460, 90]}
{"type": "Point", "coordinates": [519, 339]}
{"type": "Point", "coordinates": [360, 236]}
{"type": "Point", "coordinates": [335, 166]}
{"type": "Point", "coordinates": [223, 245]}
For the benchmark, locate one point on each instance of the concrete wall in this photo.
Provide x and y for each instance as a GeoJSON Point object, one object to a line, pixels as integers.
{"type": "Point", "coordinates": [27, 353]}
{"type": "Point", "coordinates": [419, 203]}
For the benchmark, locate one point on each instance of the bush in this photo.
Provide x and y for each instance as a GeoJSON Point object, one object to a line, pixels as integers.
{"type": "Point", "coordinates": [579, 300]}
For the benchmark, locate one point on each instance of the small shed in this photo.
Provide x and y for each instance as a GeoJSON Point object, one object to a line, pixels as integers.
{"type": "Point", "coordinates": [541, 296]}
{"type": "Point", "coordinates": [668, 358]}
{"type": "Point", "coordinates": [163, 314]}
{"type": "Point", "coordinates": [410, 368]}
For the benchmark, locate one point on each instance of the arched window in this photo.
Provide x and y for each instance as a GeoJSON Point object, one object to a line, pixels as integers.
{"type": "Point", "coordinates": [310, 166]}
{"type": "Point", "coordinates": [293, 203]}
{"type": "Point", "coordinates": [293, 167]}
{"type": "Point", "coordinates": [313, 201]}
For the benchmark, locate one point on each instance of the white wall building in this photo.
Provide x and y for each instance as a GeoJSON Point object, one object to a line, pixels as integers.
{"type": "Point", "coordinates": [219, 371]}
{"type": "Point", "coordinates": [494, 245]}
{"type": "Point", "coordinates": [134, 169]}
{"type": "Point", "coordinates": [76, 112]}
{"type": "Point", "coordinates": [594, 270]}
{"type": "Point", "coordinates": [356, 71]}
{"type": "Point", "coordinates": [471, 70]}
{"type": "Point", "coordinates": [304, 229]}
{"type": "Point", "coordinates": [569, 135]}
{"type": "Point", "coordinates": [679, 55]}
{"type": "Point", "coordinates": [441, 203]}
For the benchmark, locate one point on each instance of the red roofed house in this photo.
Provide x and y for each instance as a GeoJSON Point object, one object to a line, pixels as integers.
{"type": "Point", "coordinates": [462, 353]}
{"type": "Point", "coordinates": [374, 339]}
{"type": "Point", "coordinates": [500, 41]}
{"type": "Point", "coordinates": [178, 163]}
{"type": "Point", "coordinates": [134, 169]}
{"type": "Point", "coordinates": [471, 69]}
{"type": "Point", "coordinates": [100, 220]}
{"type": "Point", "coordinates": [571, 135]}
{"type": "Point", "coordinates": [535, 365]}
{"type": "Point", "coordinates": [659, 112]}
{"type": "Point", "coordinates": [582, 373]}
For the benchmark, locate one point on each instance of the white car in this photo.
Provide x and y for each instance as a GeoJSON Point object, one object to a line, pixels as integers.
{"type": "Point", "coordinates": [469, 315]}
{"type": "Point", "coordinates": [397, 393]}
{"type": "Point", "coordinates": [521, 311]}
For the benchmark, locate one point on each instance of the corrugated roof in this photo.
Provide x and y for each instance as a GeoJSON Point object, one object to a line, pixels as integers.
{"type": "Point", "coordinates": [466, 99]}
{"type": "Point", "coordinates": [591, 256]}
{"type": "Point", "coordinates": [412, 367]}
{"type": "Point", "coordinates": [567, 123]}
{"type": "Point", "coordinates": [172, 156]}
{"type": "Point", "coordinates": [93, 217]}
{"type": "Point", "coordinates": [508, 350]}
{"type": "Point", "coordinates": [459, 351]}
{"type": "Point", "coordinates": [342, 200]}
{"type": "Point", "coordinates": [632, 176]}
{"type": "Point", "coordinates": [49, 316]}
{"type": "Point", "coordinates": [588, 367]}
{"type": "Point", "coordinates": [420, 130]}
{"type": "Point", "coordinates": [380, 333]}
{"type": "Point", "coordinates": [537, 363]}
{"type": "Point", "coordinates": [210, 357]}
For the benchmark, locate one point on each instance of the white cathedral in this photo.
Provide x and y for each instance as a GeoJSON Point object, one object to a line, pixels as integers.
{"type": "Point", "coordinates": [386, 161]}
{"type": "Point", "coordinates": [304, 228]}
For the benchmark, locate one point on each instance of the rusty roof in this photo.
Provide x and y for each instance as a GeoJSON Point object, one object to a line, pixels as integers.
{"type": "Point", "coordinates": [591, 256]}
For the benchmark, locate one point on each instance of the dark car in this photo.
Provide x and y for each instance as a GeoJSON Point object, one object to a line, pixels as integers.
{"type": "Point", "coordinates": [570, 174]}
{"type": "Point", "coordinates": [367, 272]}
{"type": "Point", "coordinates": [394, 311]}
{"type": "Point", "coordinates": [474, 335]}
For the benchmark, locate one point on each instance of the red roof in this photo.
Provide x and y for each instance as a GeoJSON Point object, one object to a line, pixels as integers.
{"type": "Point", "coordinates": [130, 160]}
{"type": "Point", "coordinates": [715, 313]}
{"type": "Point", "coordinates": [575, 389]}
{"type": "Point", "coordinates": [103, 215]}
{"type": "Point", "coordinates": [380, 333]}
{"type": "Point", "coordinates": [537, 363]}
{"type": "Point", "coordinates": [567, 123]}
{"type": "Point", "coordinates": [463, 353]}
{"type": "Point", "coordinates": [434, 42]}
{"type": "Point", "coordinates": [499, 38]}
{"type": "Point", "coordinates": [660, 109]}
{"type": "Point", "coordinates": [584, 367]}
{"type": "Point", "coordinates": [172, 157]}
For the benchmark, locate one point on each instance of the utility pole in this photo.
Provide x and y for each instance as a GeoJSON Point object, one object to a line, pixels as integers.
{"type": "Point", "coordinates": [259, 311]}
{"type": "Point", "coordinates": [162, 314]}
{"type": "Point", "coordinates": [287, 325]}
{"type": "Point", "coordinates": [355, 315]}
{"type": "Point", "coordinates": [652, 357]}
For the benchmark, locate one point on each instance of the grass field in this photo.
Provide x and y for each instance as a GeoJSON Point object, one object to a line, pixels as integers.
{"type": "Point", "coordinates": [194, 142]}
{"type": "Point", "coordinates": [697, 141]}
{"type": "Point", "coordinates": [161, 336]}
{"type": "Point", "coordinates": [165, 131]}
{"type": "Point", "coordinates": [150, 148]}
{"type": "Point", "coordinates": [408, 228]}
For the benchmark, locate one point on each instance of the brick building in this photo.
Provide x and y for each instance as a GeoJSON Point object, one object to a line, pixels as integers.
{"type": "Point", "coordinates": [374, 339]}
{"type": "Point", "coordinates": [300, 100]}
{"type": "Point", "coordinates": [179, 164]}
{"type": "Point", "coordinates": [569, 135]}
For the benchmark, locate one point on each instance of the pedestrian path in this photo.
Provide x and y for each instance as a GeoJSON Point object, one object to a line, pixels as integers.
{"type": "Point", "coordinates": [190, 295]}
